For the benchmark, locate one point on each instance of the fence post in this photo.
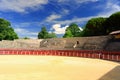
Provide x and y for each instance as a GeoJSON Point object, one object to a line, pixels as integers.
{"type": "Point", "coordinates": [112, 57]}
{"type": "Point", "coordinates": [103, 56]}
{"type": "Point", "coordinates": [108, 56]}
{"type": "Point", "coordinates": [117, 58]}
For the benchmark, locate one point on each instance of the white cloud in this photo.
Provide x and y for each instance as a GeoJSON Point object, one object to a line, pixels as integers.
{"type": "Point", "coordinates": [107, 9]}
{"type": "Point", "coordinates": [21, 5]}
{"type": "Point", "coordinates": [81, 28]}
{"type": "Point", "coordinates": [78, 1]}
{"type": "Point", "coordinates": [74, 20]}
{"type": "Point", "coordinates": [64, 12]}
{"type": "Point", "coordinates": [74, 4]}
{"type": "Point", "coordinates": [58, 29]}
{"type": "Point", "coordinates": [25, 33]}
{"type": "Point", "coordinates": [84, 1]}
{"type": "Point", "coordinates": [53, 17]}
{"type": "Point", "coordinates": [22, 24]}
{"type": "Point", "coordinates": [26, 24]}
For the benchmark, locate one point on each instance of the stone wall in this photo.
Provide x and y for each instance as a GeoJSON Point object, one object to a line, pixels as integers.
{"type": "Point", "coordinates": [113, 45]}
{"type": "Point", "coordinates": [81, 43]}
{"type": "Point", "coordinates": [77, 43]}
{"type": "Point", "coordinates": [21, 44]}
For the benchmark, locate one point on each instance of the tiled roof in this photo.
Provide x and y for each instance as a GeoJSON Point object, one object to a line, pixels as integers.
{"type": "Point", "coordinates": [115, 32]}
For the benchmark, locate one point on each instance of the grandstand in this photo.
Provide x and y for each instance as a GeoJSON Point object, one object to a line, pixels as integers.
{"type": "Point", "coordinates": [58, 59]}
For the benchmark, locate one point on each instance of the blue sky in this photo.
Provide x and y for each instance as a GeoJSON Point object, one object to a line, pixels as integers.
{"type": "Point", "coordinates": [28, 16]}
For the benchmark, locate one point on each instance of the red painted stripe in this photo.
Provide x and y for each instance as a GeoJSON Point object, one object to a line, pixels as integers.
{"type": "Point", "coordinates": [73, 53]}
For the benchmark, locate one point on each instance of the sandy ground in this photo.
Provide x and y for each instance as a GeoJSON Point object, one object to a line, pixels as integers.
{"type": "Point", "coordinates": [21, 67]}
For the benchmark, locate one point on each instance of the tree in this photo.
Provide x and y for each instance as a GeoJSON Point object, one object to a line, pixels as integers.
{"type": "Point", "coordinates": [6, 31]}
{"type": "Point", "coordinates": [74, 29]}
{"type": "Point", "coordinates": [113, 22]}
{"type": "Point", "coordinates": [1, 36]}
{"type": "Point", "coordinates": [68, 34]}
{"type": "Point", "coordinates": [43, 34]}
{"type": "Point", "coordinates": [52, 35]}
{"type": "Point", "coordinates": [95, 27]}
{"type": "Point", "coordinates": [26, 38]}
{"type": "Point", "coordinates": [10, 34]}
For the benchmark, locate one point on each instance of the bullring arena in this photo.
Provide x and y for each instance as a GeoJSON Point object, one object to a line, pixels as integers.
{"type": "Point", "coordinates": [58, 65]}
{"type": "Point", "coordinates": [61, 64]}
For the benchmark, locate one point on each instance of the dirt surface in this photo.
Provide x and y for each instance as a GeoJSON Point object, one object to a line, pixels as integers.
{"type": "Point", "coordinates": [21, 67]}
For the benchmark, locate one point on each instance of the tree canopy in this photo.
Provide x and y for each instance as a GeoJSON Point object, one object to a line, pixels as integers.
{"type": "Point", "coordinates": [72, 31]}
{"type": "Point", "coordinates": [102, 26]}
{"type": "Point", "coordinates": [113, 22]}
{"type": "Point", "coordinates": [6, 31]}
{"type": "Point", "coordinates": [52, 35]}
{"type": "Point", "coordinates": [68, 34]}
{"type": "Point", "coordinates": [95, 27]}
{"type": "Point", "coordinates": [43, 34]}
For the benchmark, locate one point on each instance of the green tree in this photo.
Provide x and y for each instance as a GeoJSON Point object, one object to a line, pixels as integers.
{"type": "Point", "coordinates": [1, 36]}
{"type": "Point", "coordinates": [95, 27]}
{"type": "Point", "coordinates": [52, 35]}
{"type": "Point", "coordinates": [68, 34]}
{"type": "Point", "coordinates": [6, 31]}
{"type": "Point", "coordinates": [10, 34]}
{"type": "Point", "coordinates": [26, 38]}
{"type": "Point", "coordinates": [113, 22]}
{"type": "Point", "coordinates": [74, 29]}
{"type": "Point", "coordinates": [43, 34]}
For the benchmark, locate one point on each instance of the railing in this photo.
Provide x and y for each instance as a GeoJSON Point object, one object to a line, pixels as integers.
{"type": "Point", "coordinates": [107, 55]}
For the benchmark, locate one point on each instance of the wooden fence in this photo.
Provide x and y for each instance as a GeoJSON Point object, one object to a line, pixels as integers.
{"type": "Point", "coordinates": [107, 55]}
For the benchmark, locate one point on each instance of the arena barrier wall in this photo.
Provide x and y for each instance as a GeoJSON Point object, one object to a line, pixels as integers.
{"type": "Point", "coordinates": [106, 55]}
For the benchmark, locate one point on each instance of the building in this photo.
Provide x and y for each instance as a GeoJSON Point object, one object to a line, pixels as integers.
{"type": "Point", "coordinates": [116, 34]}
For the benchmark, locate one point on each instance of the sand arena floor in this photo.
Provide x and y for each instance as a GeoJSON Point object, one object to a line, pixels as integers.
{"type": "Point", "coordinates": [22, 67]}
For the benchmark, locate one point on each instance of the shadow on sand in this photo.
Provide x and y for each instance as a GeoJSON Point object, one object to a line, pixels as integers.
{"type": "Point", "coordinates": [114, 74]}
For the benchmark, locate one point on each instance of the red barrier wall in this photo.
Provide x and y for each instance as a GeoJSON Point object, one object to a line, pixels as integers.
{"type": "Point", "coordinates": [115, 56]}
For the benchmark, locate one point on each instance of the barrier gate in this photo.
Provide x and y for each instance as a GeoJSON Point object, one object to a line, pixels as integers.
{"type": "Point", "coordinates": [107, 55]}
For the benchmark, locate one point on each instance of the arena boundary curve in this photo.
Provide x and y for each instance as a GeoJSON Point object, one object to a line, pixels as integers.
{"type": "Point", "coordinates": [106, 55]}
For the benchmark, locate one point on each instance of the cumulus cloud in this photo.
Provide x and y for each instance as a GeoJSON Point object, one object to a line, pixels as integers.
{"type": "Point", "coordinates": [25, 33]}
{"type": "Point", "coordinates": [21, 5]}
{"type": "Point", "coordinates": [58, 29]}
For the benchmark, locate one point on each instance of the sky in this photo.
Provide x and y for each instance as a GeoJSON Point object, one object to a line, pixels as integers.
{"type": "Point", "coordinates": [28, 16]}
